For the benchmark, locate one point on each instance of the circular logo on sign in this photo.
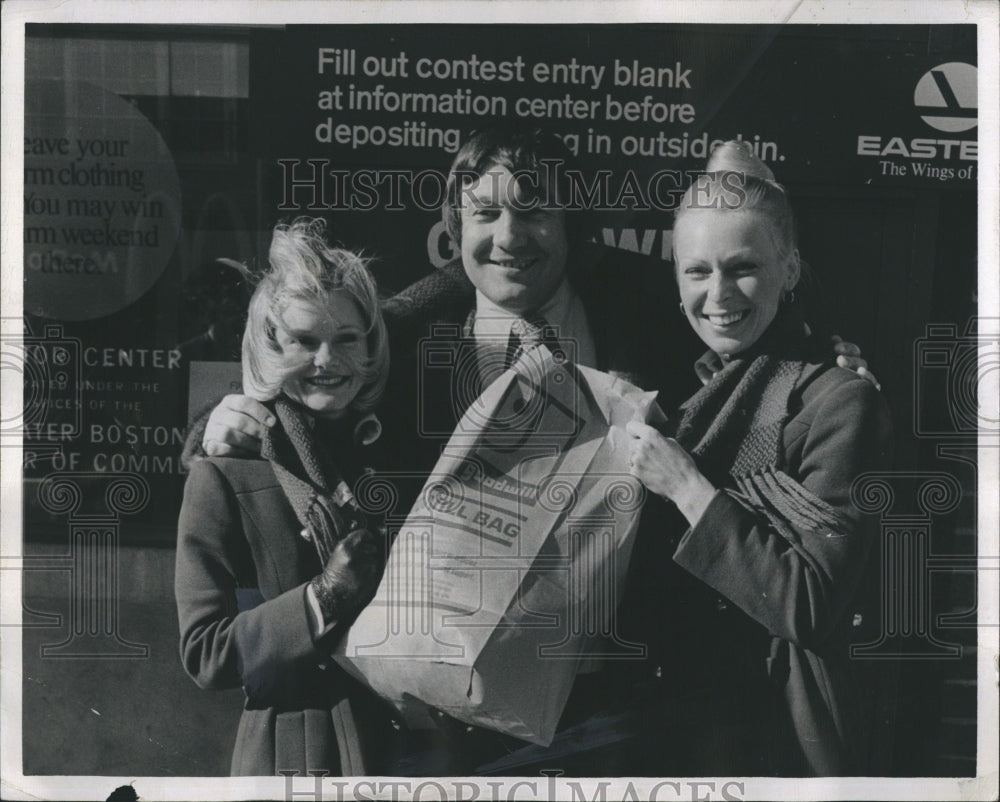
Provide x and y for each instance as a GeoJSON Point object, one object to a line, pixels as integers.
{"type": "Point", "coordinates": [101, 201]}
{"type": "Point", "coordinates": [946, 97]}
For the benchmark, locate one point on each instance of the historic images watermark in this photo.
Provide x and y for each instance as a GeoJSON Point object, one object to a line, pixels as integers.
{"type": "Point", "coordinates": [315, 185]}
{"type": "Point", "coordinates": [551, 786]}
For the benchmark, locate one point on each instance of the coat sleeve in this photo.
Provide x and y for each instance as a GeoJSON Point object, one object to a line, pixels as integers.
{"type": "Point", "coordinates": [434, 295]}
{"type": "Point", "coordinates": [799, 588]}
{"type": "Point", "coordinates": [222, 647]}
{"type": "Point", "coordinates": [192, 450]}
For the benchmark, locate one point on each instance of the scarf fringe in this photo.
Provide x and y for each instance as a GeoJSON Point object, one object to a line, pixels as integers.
{"type": "Point", "coordinates": [733, 428]}
{"type": "Point", "coordinates": [790, 506]}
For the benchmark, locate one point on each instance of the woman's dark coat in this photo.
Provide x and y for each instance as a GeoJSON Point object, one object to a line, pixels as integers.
{"type": "Point", "coordinates": [241, 576]}
{"type": "Point", "coordinates": [748, 632]}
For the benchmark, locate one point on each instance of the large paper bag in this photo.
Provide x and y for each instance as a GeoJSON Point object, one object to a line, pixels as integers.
{"type": "Point", "coordinates": [510, 565]}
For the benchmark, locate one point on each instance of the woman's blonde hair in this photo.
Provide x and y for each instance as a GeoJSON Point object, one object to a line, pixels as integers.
{"type": "Point", "coordinates": [302, 266]}
{"type": "Point", "coordinates": [737, 180]}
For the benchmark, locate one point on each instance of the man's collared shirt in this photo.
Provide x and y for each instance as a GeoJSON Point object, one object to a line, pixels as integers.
{"type": "Point", "coordinates": [564, 311]}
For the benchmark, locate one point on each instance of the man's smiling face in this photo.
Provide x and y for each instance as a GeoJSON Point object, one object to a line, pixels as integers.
{"type": "Point", "coordinates": [514, 245]}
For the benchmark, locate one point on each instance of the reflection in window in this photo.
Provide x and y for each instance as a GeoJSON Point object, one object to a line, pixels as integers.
{"type": "Point", "coordinates": [130, 67]}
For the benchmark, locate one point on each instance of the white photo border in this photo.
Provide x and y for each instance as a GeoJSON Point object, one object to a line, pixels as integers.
{"type": "Point", "coordinates": [983, 13]}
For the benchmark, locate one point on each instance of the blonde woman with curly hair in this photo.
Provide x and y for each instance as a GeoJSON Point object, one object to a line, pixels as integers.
{"type": "Point", "coordinates": [274, 556]}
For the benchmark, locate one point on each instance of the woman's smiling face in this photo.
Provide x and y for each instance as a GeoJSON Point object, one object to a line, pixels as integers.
{"type": "Point", "coordinates": [330, 343]}
{"type": "Point", "coordinates": [731, 275]}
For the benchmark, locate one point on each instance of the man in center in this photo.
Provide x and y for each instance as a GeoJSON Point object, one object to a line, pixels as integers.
{"type": "Point", "coordinates": [525, 267]}
{"type": "Point", "coordinates": [522, 247]}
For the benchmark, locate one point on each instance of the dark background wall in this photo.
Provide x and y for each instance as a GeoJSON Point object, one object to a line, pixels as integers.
{"type": "Point", "coordinates": [893, 253]}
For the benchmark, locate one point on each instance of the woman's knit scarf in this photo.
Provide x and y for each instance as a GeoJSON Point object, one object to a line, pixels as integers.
{"type": "Point", "coordinates": [311, 479]}
{"type": "Point", "coordinates": [733, 428]}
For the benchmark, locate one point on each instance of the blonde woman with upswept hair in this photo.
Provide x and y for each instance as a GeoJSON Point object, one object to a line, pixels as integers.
{"type": "Point", "coordinates": [756, 575]}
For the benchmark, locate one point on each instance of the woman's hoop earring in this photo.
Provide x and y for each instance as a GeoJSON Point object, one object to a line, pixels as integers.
{"type": "Point", "coordinates": [681, 305]}
{"type": "Point", "coordinates": [789, 297]}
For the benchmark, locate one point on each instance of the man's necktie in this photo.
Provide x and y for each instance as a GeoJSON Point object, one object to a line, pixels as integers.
{"type": "Point", "coordinates": [526, 334]}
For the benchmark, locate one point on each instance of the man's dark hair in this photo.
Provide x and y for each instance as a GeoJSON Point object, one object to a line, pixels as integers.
{"type": "Point", "coordinates": [515, 147]}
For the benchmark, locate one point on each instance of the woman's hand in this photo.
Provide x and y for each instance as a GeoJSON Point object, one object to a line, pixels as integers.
{"type": "Point", "coordinates": [667, 469]}
{"type": "Point", "coordinates": [351, 575]}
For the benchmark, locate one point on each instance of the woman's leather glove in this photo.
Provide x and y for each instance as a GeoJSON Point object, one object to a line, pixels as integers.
{"type": "Point", "coordinates": [351, 575]}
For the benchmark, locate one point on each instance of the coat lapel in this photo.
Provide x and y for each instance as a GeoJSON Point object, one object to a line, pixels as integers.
{"type": "Point", "coordinates": [283, 558]}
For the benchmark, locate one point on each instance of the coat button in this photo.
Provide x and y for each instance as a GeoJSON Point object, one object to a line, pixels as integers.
{"type": "Point", "coordinates": [658, 673]}
{"type": "Point", "coordinates": [323, 666]}
{"type": "Point", "coordinates": [721, 605]}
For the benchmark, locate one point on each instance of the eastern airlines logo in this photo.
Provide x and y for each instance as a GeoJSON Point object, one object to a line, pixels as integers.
{"type": "Point", "coordinates": [945, 99]}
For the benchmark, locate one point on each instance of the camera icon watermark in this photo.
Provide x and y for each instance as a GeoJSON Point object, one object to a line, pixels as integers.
{"type": "Point", "coordinates": [952, 376]}
{"type": "Point", "coordinates": [454, 370]}
{"type": "Point", "coordinates": [50, 367]}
